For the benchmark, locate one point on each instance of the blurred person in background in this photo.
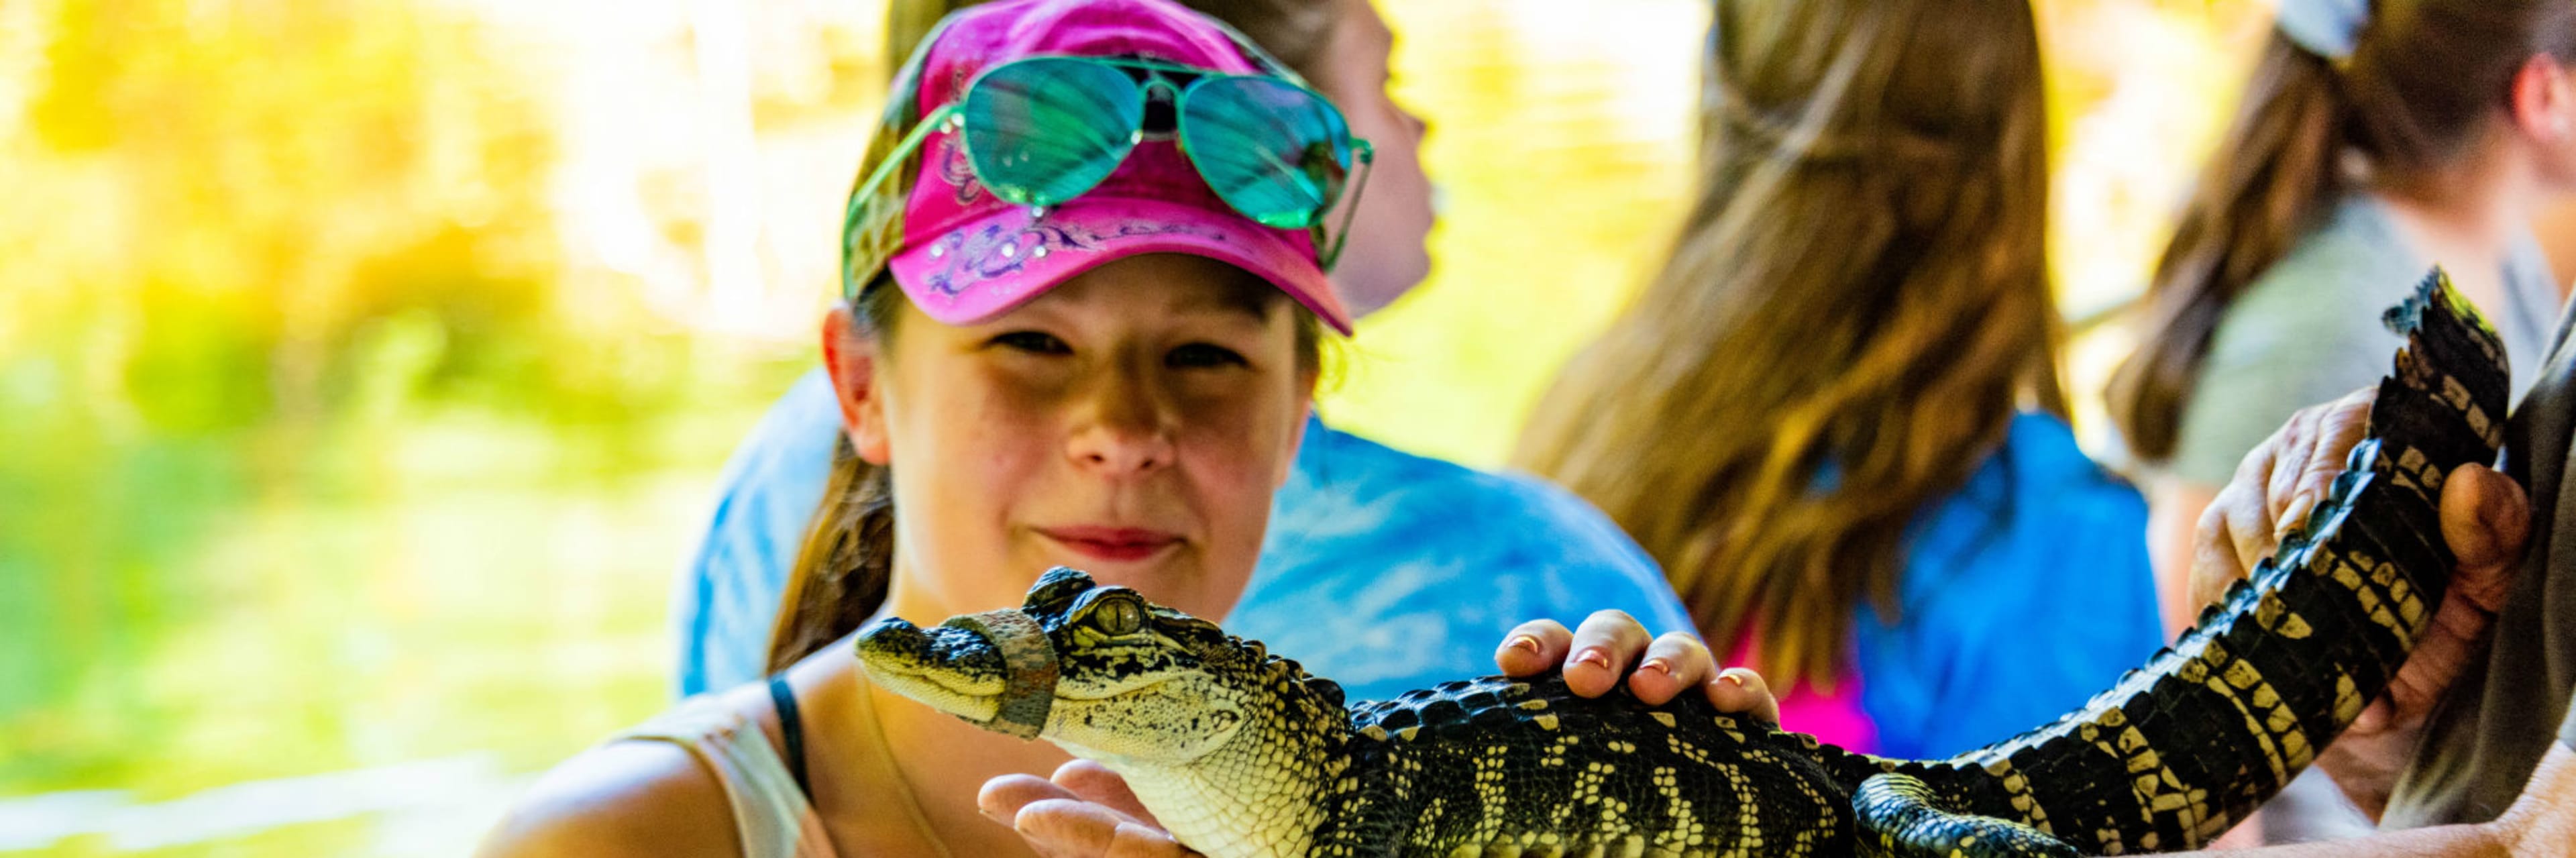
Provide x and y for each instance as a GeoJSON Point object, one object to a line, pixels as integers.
{"type": "Point", "coordinates": [2374, 140]}
{"type": "Point", "coordinates": [1836, 418]}
{"type": "Point", "coordinates": [1368, 575]}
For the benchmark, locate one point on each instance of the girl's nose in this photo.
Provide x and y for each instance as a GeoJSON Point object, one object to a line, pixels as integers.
{"type": "Point", "coordinates": [1125, 433]}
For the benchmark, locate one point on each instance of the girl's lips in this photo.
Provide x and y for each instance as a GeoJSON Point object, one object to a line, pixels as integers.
{"type": "Point", "coordinates": [1112, 543]}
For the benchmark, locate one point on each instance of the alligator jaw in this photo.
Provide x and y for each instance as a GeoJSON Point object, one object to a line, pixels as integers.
{"type": "Point", "coordinates": [949, 669]}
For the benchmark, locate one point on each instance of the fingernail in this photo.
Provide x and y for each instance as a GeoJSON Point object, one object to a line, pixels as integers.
{"type": "Point", "coordinates": [1729, 677]}
{"type": "Point", "coordinates": [2296, 514]}
{"type": "Point", "coordinates": [1522, 642]}
{"type": "Point", "coordinates": [1592, 655]}
{"type": "Point", "coordinates": [1657, 664]}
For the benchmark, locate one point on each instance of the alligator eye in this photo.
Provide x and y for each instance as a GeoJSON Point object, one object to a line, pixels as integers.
{"type": "Point", "coordinates": [1115, 617]}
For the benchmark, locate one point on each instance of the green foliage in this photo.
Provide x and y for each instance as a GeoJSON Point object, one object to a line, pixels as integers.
{"type": "Point", "coordinates": [251, 247]}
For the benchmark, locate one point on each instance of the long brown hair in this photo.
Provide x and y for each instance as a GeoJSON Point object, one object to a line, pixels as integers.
{"type": "Point", "coordinates": [1854, 306]}
{"type": "Point", "coordinates": [847, 562]}
{"type": "Point", "coordinates": [2422, 78]}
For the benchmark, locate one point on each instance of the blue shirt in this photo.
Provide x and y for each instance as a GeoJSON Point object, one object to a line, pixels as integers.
{"type": "Point", "coordinates": [2024, 594]}
{"type": "Point", "coordinates": [1382, 570]}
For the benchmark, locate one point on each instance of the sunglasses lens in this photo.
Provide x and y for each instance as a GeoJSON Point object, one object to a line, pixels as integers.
{"type": "Point", "coordinates": [1276, 152]}
{"type": "Point", "coordinates": [1043, 131]}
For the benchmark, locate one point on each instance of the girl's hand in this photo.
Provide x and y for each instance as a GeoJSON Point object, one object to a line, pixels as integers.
{"type": "Point", "coordinates": [1084, 812]}
{"type": "Point", "coordinates": [1595, 655]}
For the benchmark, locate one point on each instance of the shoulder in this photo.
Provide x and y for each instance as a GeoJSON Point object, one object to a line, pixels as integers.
{"type": "Point", "coordinates": [1372, 507]}
{"type": "Point", "coordinates": [2040, 518]}
{"type": "Point", "coordinates": [2327, 291]}
{"type": "Point", "coordinates": [2049, 462]}
{"type": "Point", "coordinates": [2039, 471]}
{"type": "Point", "coordinates": [1433, 489]}
{"type": "Point", "coordinates": [795, 438]}
{"type": "Point", "coordinates": [626, 798]}
{"type": "Point", "coordinates": [1446, 507]}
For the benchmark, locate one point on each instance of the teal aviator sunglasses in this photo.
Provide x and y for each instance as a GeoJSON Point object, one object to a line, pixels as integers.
{"type": "Point", "coordinates": [1043, 130]}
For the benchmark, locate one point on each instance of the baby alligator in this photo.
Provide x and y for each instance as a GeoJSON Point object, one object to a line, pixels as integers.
{"type": "Point", "coordinates": [1241, 754]}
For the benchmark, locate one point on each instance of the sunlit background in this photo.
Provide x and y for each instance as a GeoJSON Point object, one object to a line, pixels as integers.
{"type": "Point", "coordinates": [366, 365]}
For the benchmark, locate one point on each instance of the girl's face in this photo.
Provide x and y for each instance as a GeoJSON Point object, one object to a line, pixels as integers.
{"type": "Point", "coordinates": [1133, 423]}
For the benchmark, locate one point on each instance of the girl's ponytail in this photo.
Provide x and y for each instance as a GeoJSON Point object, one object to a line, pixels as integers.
{"type": "Point", "coordinates": [842, 572]}
{"type": "Point", "coordinates": [847, 562]}
{"type": "Point", "coordinates": [2412, 84]}
{"type": "Point", "coordinates": [2278, 169]}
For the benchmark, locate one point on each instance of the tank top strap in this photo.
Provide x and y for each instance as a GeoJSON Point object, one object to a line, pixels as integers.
{"type": "Point", "coordinates": [770, 810]}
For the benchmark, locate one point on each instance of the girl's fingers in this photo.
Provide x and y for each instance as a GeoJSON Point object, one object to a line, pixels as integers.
{"type": "Point", "coordinates": [1095, 783]}
{"type": "Point", "coordinates": [1071, 828]}
{"type": "Point", "coordinates": [1739, 690]}
{"type": "Point", "coordinates": [1604, 646]}
{"type": "Point", "coordinates": [1002, 797]}
{"type": "Point", "coordinates": [1675, 662]}
{"type": "Point", "coordinates": [1533, 648]}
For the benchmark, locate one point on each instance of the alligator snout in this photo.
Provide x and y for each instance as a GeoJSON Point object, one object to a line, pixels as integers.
{"type": "Point", "coordinates": [954, 670]}
{"type": "Point", "coordinates": [898, 643]}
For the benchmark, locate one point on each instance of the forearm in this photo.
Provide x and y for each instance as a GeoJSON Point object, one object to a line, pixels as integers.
{"type": "Point", "coordinates": [2449, 841]}
{"type": "Point", "coordinates": [2542, 822]}
{"type": "Point", "coordinates": [2365, 766]}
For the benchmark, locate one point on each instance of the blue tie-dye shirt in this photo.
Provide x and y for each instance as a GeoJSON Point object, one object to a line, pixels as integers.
{"type": "Point", "coordinates": [1383, 570]}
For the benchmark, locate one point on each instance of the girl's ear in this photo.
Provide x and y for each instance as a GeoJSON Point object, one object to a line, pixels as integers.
{"type": "Point", "coordinates": [1297, 432]}
{"type": "Point", "coordinates": [2544, 100]}
{"type": "Point", "coordinates": [853, 358]}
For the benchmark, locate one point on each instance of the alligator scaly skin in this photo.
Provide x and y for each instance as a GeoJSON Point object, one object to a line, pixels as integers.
{"type": "Point", "coordinates": [2173, 755]}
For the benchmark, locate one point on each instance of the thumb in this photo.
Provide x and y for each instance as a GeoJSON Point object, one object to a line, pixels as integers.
{"type": "Point", "coordinates": [2374, 718]}
{"type": "Point", "coordinates": [2486, 519]}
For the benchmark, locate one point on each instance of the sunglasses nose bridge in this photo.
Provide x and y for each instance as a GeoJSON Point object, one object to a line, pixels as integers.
{"type": "Point", "coordinates": [1162, 108]}
{"type": "Point", "coordinates": [1159, 89]}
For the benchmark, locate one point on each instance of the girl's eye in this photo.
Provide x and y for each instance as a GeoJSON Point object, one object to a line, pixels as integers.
{"type": "Point", "coordinates": [1033, 342]}
{"type": "Point", "coordinates": [1203, 355]}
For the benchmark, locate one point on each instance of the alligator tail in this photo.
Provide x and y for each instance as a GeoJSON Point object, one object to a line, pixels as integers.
{"type": "Point", "coordinates": [2183, 748]}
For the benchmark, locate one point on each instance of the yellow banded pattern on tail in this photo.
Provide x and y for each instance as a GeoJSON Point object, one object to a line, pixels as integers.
{"type": "Point", "coordinates": [1243, 755]}
{"type": "Point", "coordinates": [2185, 747]}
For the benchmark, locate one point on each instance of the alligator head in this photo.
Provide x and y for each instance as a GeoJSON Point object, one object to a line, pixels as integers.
{"type": "Point", "coordinates": [1208, 730]}
{"type": "Point", "coordinates": [1096, 669]}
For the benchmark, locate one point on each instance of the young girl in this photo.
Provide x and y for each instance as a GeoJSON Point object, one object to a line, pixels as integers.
{"type": "Point", "coordinates": [1815, 418]}
{"type": "Point", "coordinates": [2375, 139]}
{"type": "Point", "coordinates": [1365, 576]}
{"type": "Point", "coordinates": [1045, 366]}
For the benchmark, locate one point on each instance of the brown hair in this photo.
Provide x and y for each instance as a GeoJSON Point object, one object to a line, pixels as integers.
{"type": "Point", "coordinates": [847, 561]}
{"type": "Point", "coordinates": [2422, 76]}
{"type": "Point", "coordinates": [1854, 306]}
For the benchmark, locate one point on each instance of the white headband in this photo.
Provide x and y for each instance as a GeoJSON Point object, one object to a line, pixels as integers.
{"type": "Point", "coordinates": [2327, 28]}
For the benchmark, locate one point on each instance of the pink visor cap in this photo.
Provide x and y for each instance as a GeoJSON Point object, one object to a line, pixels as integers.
{"type": "Point", "coordinates": [964, 255]}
